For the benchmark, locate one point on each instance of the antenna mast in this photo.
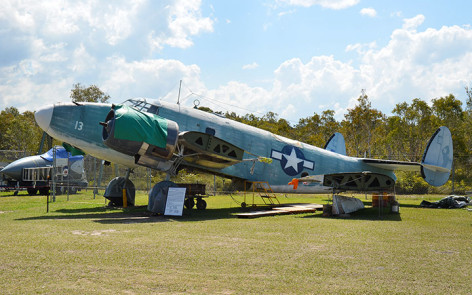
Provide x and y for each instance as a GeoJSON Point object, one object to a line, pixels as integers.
{"type": "Point", "coordinates": [178, 97]}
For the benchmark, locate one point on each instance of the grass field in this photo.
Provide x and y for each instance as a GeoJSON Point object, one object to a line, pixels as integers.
{"type": "Point", "coordinates": [81, 247]}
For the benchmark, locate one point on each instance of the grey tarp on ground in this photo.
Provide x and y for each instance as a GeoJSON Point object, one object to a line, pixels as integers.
{"type": "Point", "coordinates": [346, 205]}
{"type": "Point", "coordinates": [158, 196]}
{"type": "Point", "coordinates": [448, 202]}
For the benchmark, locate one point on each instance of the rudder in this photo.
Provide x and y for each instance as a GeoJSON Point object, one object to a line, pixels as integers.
{"type": "Point", "coordinates": [437, 159]}
{"type": "Point", "coordinates": [336, 144]}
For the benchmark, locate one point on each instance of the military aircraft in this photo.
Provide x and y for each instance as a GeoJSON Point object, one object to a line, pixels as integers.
{"type": "Point", "coordinates": [17, 175]}
{"type": "Point", "coordinates": [168, 137]}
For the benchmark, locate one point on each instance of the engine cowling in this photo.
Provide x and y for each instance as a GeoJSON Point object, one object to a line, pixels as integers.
{"type": "Point", "coordinates": [150, 138]}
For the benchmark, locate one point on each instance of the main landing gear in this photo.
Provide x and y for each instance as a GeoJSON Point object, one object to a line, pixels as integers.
{"type": "Point", "coordinates": [194, 194]}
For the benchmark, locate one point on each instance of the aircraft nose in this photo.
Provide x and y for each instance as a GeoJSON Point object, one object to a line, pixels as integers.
{"type": "Point", "coordinates": [43, 117]}
{"type": "Point", "coordinates": [14, 169]}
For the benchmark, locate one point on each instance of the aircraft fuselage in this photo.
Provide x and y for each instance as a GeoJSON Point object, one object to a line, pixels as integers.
{"type": "Point", "coordinates": [79, 126]}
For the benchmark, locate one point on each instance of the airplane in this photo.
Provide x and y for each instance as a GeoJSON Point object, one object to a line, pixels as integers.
{"type": "Point", "coordinates": [16, 176]}
{"type": "Point", "coordinates": [168, 137]}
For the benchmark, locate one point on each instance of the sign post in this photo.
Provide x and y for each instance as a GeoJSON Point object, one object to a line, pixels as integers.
{"type": "Point", "coordinates": [175, 201]}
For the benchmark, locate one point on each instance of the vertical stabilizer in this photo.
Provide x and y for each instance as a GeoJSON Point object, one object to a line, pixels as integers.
{"type": "Point", "coordinates": [437, 159]}
{"type": "Point", "coordinates": [336, 144]}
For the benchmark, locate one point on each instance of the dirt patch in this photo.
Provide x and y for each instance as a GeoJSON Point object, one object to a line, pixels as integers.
{"type": "Point", "coordinates": [93, 233]}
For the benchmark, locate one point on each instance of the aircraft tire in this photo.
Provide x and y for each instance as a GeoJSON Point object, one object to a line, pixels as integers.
{"type": "Point", "coordinates": [72, 190]}
{"type": "Point", "coordinates": [189, 203]}
{"type": "Point", "coordinates": [44, 191]}
{"type": "Point", "coordinates": [59, 190]}
{"type": "Point", "coordinates": [32, 191]}
{"type": "Point", "coordinates": [243, 205]}
{"type": "Point", "coordinates": [201, 204]}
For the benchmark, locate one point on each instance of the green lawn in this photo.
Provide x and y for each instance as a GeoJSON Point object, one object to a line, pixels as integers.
{"type": "Point", "coordinates": [80, 247]}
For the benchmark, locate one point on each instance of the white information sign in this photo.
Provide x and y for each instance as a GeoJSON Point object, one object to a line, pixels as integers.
{"type": "Point", "coordinates": [175, 201]}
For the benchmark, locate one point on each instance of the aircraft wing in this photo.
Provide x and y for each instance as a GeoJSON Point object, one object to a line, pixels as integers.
{"type": "Point", "coordinates": [155, 141]}
{"type": "Point", "coordinates": [209, 151]}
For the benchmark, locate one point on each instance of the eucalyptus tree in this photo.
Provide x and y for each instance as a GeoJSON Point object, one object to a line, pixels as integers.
{"type": "Point", "coordinates": [362, 127]}
{"type": "Point", "coordinates": [92, 93]}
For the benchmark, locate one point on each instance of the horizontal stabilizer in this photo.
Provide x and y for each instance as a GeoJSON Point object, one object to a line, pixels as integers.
{"type": "Point", "coordinates": [393, 165]}
{"type": "Point", "coordinates": [436, 164]}
{"type": "Point", "coordinates": [336, 144]}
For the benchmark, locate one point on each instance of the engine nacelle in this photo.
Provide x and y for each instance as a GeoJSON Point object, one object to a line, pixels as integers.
{"type": "Point", "coordinates": [151, 139]}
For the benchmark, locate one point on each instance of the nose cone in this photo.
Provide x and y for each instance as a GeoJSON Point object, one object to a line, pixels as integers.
{"type": "Point", "coordinates": [14, 169]}
{"type": "Point", "coordinates": [43, 117]}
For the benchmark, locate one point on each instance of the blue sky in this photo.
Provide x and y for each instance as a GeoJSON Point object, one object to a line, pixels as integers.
{"type": "Point", "coordinates": [292, 57]}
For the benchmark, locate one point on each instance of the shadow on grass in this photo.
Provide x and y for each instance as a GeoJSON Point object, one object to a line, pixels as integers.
{"type": "Point", "coordinates": [139, 214]}
{"type": "Point", "coordinates": [364, 214]}
{"type": "Point", "coordinates": [369, 204]}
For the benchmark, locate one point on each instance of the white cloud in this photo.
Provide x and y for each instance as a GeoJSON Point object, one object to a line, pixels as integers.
{"type": "Point", "coordinates": [147, 78]}
{"type": "Point", "coordinates": [288, 12]}
{"type": "Point", "coordinates": [368, 12]}
{"type": "Point", "coordinates": [361, 48]}
{"type": "Point", "coordinates": [425, 64]}
{"type": "Point", "coordinates": [332, 4]}
{"type": "Point", "coordinates": [184, 20]}
{"type": "Point", "coordinates": [420, 64]}
{"type": "Point", "coordinates": [251, 66]}
{"type": "Point", "coordinates": [308, 86]}
{"type": "Point", "coordinates": [47, 47]}
{"type": "Point", "coordinates": [238, 97]}
{"type": "Point", "coordinates": [413, 23]}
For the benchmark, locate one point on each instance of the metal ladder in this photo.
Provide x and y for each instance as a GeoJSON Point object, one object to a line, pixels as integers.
{"type": "Point", "coordinates": [264, 190]}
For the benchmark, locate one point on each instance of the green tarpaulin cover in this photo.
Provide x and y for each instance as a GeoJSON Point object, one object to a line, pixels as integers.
{"type": "Point", "coordinates": [72, 149]}
{"type": "Point", "coordinates": [133, 125]}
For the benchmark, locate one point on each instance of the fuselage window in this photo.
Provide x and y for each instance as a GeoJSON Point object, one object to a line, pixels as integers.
{"type": "Point", "coordinates": [210, 131]}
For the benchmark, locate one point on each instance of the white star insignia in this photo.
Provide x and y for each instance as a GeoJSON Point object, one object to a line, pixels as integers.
{"type": "Point", "coordinates": [292, 160]}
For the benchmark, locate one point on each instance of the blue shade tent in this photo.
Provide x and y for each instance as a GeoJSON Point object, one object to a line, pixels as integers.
{"type": "Point", "coordinates": [61, 153]}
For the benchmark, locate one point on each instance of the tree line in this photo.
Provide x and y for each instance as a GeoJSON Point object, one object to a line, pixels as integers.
{"type": "Point", "coordinates": [368, 132]}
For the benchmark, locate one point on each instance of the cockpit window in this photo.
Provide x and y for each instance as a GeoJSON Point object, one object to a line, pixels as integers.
{"type": "Point", "coordinates": [153, 109]}
{"type": "Point", "coordinates": [142, 105]}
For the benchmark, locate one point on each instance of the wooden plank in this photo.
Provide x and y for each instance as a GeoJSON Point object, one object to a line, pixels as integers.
{"type": "Point", "coordinates": [262, 213]}
{"type": "Point", "coordinates": [283, 210]}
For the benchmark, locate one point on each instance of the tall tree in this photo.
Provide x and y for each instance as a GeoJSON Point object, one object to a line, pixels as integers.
{"type": "Point", "coordinates": [308, 130]}
{"type": "Point", "coordinates": [409, 129]}
{"type": "Point", "coordinates": [329, 124]}
{"type": "Point", "coordinates": [449, 112]}
{"type": "Point", "coordinates": [19, 131]}
{"type": "Point", "coordinates": [468, 91]}
{"type": "Point", "coordinates": [92, 93]}
{"type": "Point", "coordinates": [360, 124]}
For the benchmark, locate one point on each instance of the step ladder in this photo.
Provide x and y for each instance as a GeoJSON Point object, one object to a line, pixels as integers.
{"type": "Point", "coordinates": [261, 188]}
